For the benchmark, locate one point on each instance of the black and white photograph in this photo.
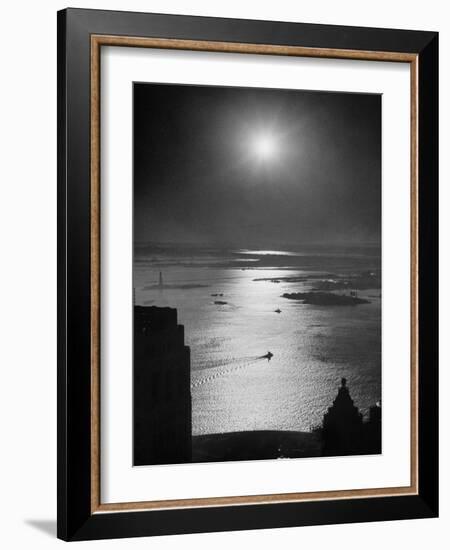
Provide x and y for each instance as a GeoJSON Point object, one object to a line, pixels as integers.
{"type": "Point", "coordinates": [256, 274]}
{"type": "Point", "coordinates": [225, 296]}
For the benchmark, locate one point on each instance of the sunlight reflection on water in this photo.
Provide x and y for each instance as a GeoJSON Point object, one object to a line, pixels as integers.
{"type": "Point", "coordinates": [233, 388]}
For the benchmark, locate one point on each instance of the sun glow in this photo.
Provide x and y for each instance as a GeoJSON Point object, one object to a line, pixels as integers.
{"type": "Point", "coordinates": [265, 146]}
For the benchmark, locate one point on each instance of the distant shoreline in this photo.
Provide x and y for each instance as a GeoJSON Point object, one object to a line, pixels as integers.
{"type": "Point", "coordinates": [325, 298]}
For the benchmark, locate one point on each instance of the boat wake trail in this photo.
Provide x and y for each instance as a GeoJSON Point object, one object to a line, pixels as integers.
{"type": "Point", "coordinates": [251, 361]}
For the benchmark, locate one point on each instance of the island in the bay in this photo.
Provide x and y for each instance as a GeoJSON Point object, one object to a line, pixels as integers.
{"type": "Point", "coordinates": [326, 298]}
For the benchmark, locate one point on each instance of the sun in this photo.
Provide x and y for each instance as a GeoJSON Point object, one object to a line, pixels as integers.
{"type": "Point", "coordinates": [265, 146]}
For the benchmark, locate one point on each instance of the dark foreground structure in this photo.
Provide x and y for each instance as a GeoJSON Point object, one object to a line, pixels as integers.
{"type": "Point", "coordinates": [161, 388]}
{"type": "Point", "coordinates": [344, 431]}
{"type": "Point", "coordinates": [255, 445]}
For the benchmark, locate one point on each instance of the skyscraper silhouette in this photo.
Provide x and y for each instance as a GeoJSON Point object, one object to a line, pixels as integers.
{"type": "Point", "coordinates": [162, 395]}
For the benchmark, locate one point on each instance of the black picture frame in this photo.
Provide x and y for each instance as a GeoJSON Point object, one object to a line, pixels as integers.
{"type": "Point", "coordinates": [76, 521]}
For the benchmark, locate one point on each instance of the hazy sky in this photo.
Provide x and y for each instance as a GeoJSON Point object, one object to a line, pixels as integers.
{"type": "Point", "coordinates": [255, 167]}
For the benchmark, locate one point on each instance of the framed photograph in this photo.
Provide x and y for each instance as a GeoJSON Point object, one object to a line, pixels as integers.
{"type": "Point", "coordinates": [247, 263]}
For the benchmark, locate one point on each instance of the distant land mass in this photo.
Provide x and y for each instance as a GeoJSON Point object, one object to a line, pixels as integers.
{"type": "Point", "coordinates": [325, 298]}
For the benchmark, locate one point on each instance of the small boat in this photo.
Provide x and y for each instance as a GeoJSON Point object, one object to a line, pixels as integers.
{"type": "Point", "coordinates": [268, 356]}
{"type": "Point", "coordinates": [277, 310]}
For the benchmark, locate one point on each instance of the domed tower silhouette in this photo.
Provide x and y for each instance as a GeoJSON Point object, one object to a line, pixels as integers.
{"type": "Point", "coordinates": [342, 425]}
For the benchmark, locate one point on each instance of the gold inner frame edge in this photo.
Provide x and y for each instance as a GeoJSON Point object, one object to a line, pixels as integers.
{"type": "Point", "coordinates": [97, 41]}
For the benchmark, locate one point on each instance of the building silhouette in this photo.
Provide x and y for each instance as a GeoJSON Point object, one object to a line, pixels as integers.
{"type": "Point", "coordinates": [345, 433]}
{"type": "Point", "coordinates": [372, 430]}
{"type": "Point", "coordinates": [161, 388]}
